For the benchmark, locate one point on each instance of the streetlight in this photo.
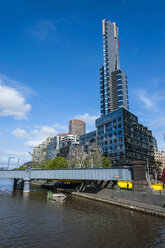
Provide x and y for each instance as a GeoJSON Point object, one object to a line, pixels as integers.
{"type": "Point", "coordinates": [9, 162]}
{"type": "Point", "coordinates": [18, 163]}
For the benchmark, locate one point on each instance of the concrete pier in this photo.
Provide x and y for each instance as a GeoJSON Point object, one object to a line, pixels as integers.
{"type": "Point", "coordinates": [27, 184]}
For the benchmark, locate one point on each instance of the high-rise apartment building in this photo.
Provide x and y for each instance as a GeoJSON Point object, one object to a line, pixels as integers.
{"type": "Point", "coordinates": [77, 127]}
{"type": "Point", "coordinates": [113, 81]}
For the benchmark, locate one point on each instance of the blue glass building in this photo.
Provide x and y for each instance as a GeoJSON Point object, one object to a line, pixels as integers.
{"type": "Point", "coordinates": [122, 138]}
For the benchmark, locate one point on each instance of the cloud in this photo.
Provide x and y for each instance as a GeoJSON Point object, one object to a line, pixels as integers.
{"type": "Point", "coordinates": [61, 127]}
{"type": "Point", "coordinates": [88, 119]}
{"type": "Point", "coordinates": [158, 123]}
{"type": "Point", "coordinates": [42, 29]}
{"type": "Point", "coordinates": [150, 101]}
{"type": "Point", "coordinates": [19, 133]}
{"type": "Point", "coordinates": [39, 134]}
{"type": "Point", "coordinates": [18, 154]}
{"type": "Point", "coordinates": [12, 103]}
{"type": "Point", "coordinates": [20, 87]}
{"type": "Point", "coordinates": [33, 143]}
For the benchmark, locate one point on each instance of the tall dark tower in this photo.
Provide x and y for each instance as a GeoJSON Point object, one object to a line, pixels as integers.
{"type": "Point", "coordinates": [113, 81]}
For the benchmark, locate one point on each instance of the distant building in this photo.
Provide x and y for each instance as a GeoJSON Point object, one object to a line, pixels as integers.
{"type": "Point", "coordinates": [53, 148]}
{"type": "Point", "coordinates": [77, 127]}
{"type": "Point", "coordinates": [88, 138]}
{"type": "Point", "coordinates": [66, 141]}
{"type": "Point", "coordinates": [160, 156]}
{"type": "Point", "coordinates": [155, 144]}
{"type": "Point", "coordinates": [122, 138]}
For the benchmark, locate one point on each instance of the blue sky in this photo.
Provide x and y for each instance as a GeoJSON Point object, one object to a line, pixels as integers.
{"type": "Point", "coordinates": [50, 54]}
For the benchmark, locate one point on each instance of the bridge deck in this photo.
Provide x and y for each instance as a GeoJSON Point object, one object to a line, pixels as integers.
{"type": "Point", "coordinates": [74, 174]}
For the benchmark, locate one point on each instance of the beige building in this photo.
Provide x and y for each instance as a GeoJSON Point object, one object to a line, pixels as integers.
{"type": "Point", "coordinates": [160, 156]}
{"type": "Point", "coordinates": [77, 127]}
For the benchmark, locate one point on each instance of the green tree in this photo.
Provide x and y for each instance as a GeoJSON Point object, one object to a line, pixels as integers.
{"type": "Point", "coordinates": [159, 168]}
{"type": "Point", "coordinates": [56, 163]}
{"type": "Point", "coordinates": [105, 162]}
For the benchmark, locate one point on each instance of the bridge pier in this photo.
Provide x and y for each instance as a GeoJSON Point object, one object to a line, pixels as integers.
{"type": "Point", "coordinates": [18, 184]}
{"type": "Point", "coordinates": [27, 184]}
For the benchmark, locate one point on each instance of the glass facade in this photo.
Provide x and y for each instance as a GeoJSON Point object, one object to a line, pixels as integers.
{"type": "Point", "coordinates": [122, 138]}
{"type": "Point", "coordinates": [111, 76]}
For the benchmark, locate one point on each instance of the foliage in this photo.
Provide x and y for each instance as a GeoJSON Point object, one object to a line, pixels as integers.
{"type": "Point", "coordinates": [21, 168]}
{"type": "Point", "coordinates": [105, 162]}
{"type": "Point", "coordinates": [56, 163]}
{"type": "Point", "coordinates": [159, 168]}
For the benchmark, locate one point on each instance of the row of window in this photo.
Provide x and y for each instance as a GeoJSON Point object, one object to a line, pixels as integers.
{"type": "Point", "coordinates": [113, 148]}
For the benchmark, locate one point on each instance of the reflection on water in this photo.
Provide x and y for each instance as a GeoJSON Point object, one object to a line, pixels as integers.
{"type": "Point", "coordinates": [6, 185]}
{"type": "Point", "coordinates": [32, 221]}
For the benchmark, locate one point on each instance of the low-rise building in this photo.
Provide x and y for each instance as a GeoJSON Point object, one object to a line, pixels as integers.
{"type": "Point", "coordinates": [160, 156]}
{"type": "Point", "coordinates": [66, 141]}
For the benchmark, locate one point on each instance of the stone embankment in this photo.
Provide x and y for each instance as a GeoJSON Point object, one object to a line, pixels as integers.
{"type": "Point", "coordinates": [132, 205]}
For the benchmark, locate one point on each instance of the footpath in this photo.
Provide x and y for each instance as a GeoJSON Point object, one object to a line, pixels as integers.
{"type": "Point", "coordinates": [132, 205]}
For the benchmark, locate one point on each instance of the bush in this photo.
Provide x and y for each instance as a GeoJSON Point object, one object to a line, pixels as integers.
{"type": "Point", "coordinates": [105, 162]}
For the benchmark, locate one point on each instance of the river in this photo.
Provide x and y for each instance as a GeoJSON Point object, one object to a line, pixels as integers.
{"type": "Point", "coordinates": [32, 221]}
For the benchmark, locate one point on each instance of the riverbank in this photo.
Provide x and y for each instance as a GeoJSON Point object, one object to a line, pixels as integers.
{"type": "Point", "coordinates": [145, 202]}
{"type": "Point", "coordinates": [132, 205]}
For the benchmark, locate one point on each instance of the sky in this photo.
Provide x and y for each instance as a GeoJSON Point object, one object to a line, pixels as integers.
{"type": "Point", "coordinates": [50, 55]}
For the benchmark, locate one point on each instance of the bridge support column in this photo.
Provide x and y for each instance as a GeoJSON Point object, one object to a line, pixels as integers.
{"type": "Point", "coordinates": [26, 189]}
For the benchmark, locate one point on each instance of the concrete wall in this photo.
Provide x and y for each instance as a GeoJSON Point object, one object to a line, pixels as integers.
{"type": "Point", "coordinates": [149, 197]}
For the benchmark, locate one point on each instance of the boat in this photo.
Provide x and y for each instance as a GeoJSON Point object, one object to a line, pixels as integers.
{"type": "Point", "coordinates": [56, 197]}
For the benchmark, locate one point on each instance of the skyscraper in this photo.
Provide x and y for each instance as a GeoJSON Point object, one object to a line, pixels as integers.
{"type": "Point", "coordinates": [77, 127]}
{"type": "Point", "coordinates": [113, 81]}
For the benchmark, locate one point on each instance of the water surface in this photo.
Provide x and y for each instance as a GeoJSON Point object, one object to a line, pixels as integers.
{"type": "Point", "coordinates": [32, 221]}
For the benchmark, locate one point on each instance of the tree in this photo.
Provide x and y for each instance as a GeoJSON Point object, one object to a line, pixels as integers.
{"type": "Point", "coordinates": [159, 168]}
{"type": "Point", "coordinates": [56, 163]}
{"type": "Point", "coordinates": [105, 162]}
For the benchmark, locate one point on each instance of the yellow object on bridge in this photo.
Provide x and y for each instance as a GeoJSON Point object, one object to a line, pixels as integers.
{"type": "Point", "coordinates": [125, 184]}
{"type": "Point", "coordinates": [157, 186]}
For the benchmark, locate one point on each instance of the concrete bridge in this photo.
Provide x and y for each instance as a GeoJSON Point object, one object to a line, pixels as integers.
{"type": "Point", "coordinates": [89, 174]}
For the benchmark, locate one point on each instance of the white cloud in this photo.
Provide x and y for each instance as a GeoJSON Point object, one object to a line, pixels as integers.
{"type": "Point", "coordinates": [148, 102]}
{"type": "Point", "coordinates": [12, 103]}
{"type": "Point", "coordinates": [18, 154]}
{"type": "Point", "coordinates": [61, 127]}
{"type": "Point", "coordinates": [20, 133]}
{"type": "Point", "coordinates": [158, 123]}
{"type": "Point", "coordinates": [39, 134]}
{"type": "Point", "coordinates": [42, 29]}
{"type": "Point", "coordinates": [88, 119]}
{"type": "Point", "coordinates": [46, 131]}
{"type": "Point", "coordinates": [33, 143]}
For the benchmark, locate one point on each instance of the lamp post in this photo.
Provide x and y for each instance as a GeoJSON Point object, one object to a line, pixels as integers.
{"type": "Point", "coordinates": [18, 163]}
{"type": "Point", "coordinates": [9, 162]}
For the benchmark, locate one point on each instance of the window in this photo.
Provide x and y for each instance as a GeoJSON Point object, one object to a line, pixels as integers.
{"type": "Point", "coordinates": [119, 119]}
{"type": "Point", "coordinates": [115, 141]}
{"type": "Point", "coordinates": [114, 134]}
{"type": "Point", "coordinates": [110, 135]}
{"type": "Point", "coordinates": [114, 127]}
{"type": "Point", "coordinates": [115, 147]}
{"type": "Point", "coordinates": [120, 132]}
{"type": "Point", "coordinates": [120, 98]}
{"type": "Point", "coordinates": [120, 125]}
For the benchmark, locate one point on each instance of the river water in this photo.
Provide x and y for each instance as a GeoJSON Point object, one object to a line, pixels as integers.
{"type": "Point", "coordinates": [32, 221]}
